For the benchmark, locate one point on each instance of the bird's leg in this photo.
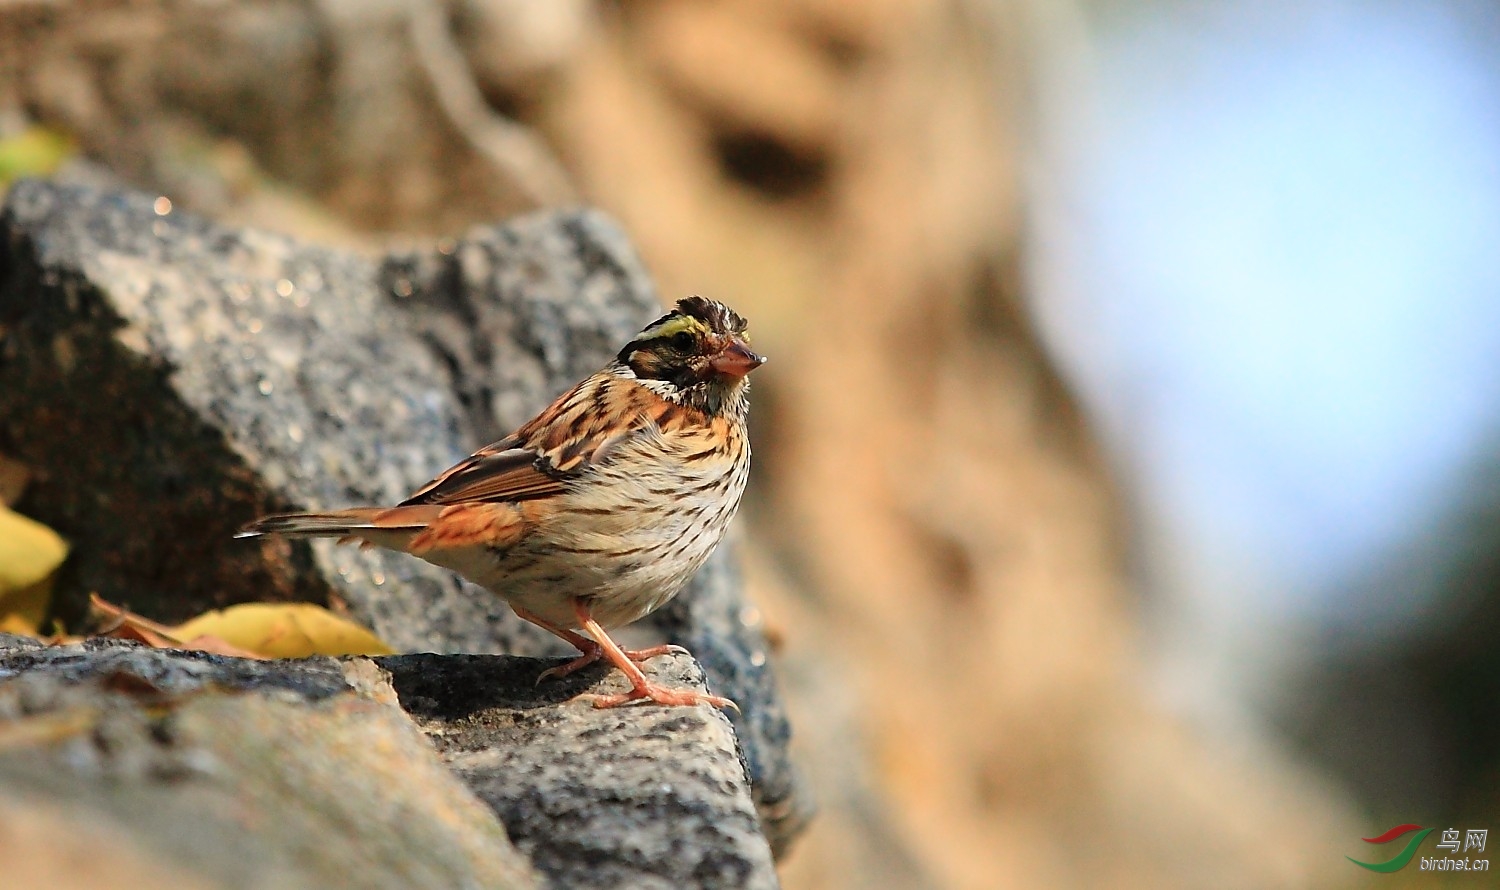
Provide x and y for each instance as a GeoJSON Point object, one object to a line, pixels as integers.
{"type": "Point", "coordinates": [577, 641]}
{"type": "Point", "coordinates": [640, 686]}
{"type": "Point", "coordinates": [590, 649]}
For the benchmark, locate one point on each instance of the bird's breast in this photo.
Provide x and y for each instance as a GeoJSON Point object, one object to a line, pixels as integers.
{"type": "Point", "coordinates": [630, 532]}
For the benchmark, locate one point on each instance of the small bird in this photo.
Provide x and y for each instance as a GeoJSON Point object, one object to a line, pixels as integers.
{"type": "Point", "coordinates": [597, 511]}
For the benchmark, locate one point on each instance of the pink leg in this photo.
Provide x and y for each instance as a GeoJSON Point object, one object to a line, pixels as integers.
{"type": "Point", "coordinates": [641, 686]}
{"type": "Point", "coordinates": [591, 650]}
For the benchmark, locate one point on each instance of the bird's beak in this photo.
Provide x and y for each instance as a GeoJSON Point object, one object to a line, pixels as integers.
{"type": "Point", "coordinates": [736, 359]}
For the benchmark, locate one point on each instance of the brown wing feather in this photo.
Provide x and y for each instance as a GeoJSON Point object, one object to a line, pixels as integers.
{"type": "Point", "coordinates": [539, 459]}
{"type": "Point", "coordinates": [498, 472]}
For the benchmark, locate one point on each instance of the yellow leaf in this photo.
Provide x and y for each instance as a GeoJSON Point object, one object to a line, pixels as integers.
{"type": "Point", "coordinates": [22, 611]}
{"type": "Point", "coordinates": [19, 624]}
{"type": "Point", "coordinates": [29, 553]}
{"type": "Point", "coordinates": [35, 151]}
{"type": "Point", "coordinates": [283, 630]}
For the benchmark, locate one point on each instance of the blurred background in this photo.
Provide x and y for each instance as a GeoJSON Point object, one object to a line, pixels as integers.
{"type": "Point", "coordinates": [1127, 507]}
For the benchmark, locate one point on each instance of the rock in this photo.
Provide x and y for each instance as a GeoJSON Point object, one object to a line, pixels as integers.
{"type": "Point", "coordinates": [233, 774]}
{"type": "Point", "coordinates": [164, 391]}
{"type": "Point", "coordinates": [199, 743]}
{"type": "Point", "coordinates": [167, 379]}
{"type": "Point", "coordinates": [519, 312]}
{"type": "Point", "coordinates": [715, 622]}
{"type": "Point", "coordinates": [629, 797]}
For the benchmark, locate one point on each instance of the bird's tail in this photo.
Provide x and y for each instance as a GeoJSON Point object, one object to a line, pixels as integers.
{"type": "Point", "coordinates": [341, 523]}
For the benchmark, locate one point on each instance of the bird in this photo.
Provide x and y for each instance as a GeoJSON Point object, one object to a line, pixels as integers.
{"type": "Point", "coordinates": [597, 511]}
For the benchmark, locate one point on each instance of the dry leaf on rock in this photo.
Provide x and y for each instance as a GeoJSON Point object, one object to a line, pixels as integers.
{"type": "Point", "coordinates": [119, 623]}
{"type": "Point", "coordinates": [22, 611]}
{"type": "Point", "coordinates": [251, 630]}
{"type": "Point", "coordinates": [29, 553]}
{"type": "Point", "coordinates": [283, 630]}
{"type": "Point", "coordinates": [133, 627]}
{"type": "Point", "coordinates": [34, 151]}
{"type": "Point", "coordinates": [19, 624]}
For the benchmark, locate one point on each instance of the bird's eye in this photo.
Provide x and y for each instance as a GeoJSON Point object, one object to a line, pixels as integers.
{"type": "Point", "coordinates": [683, 340]}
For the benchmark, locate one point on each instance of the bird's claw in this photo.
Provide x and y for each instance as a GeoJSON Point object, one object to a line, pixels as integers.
{"type": "Point", "coordinates": [588, 658]}
{"type": "Point", "coordinates": [659, 694]}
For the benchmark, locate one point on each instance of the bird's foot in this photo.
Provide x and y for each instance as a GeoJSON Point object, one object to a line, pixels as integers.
{"type": "Point", "coordinates": [662, 695]}
{"type": "Point", "coordinates": [596, 652]}
{"type": "Point", "coordinates": [640, 655]}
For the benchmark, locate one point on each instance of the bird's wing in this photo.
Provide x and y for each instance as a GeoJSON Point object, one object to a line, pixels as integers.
{"type": "Point", "coordinates": [498, 472]}
{"type": "Point", "coordinates": [538, 460]}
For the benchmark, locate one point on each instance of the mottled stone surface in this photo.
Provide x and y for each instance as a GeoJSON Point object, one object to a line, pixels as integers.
{"type": "Point", "coordinates": [519, 312]}
{"type": "Point", "coordinates": [166, 672]}
{"type": "Point", "coordinates": [237, 774]}
{"type": "Point", "coordinates": [640, 796]}
{"type": "Point", "coordinates": [631, 797]}
{"type": "Point", "coordinates": [169, 379]}
{"type": "Point", "coordinates": [724, 632]}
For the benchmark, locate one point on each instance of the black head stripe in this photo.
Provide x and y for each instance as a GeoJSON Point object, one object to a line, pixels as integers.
{"type": "Point", "coordinates": [716, 315]}
{"type": "Point", "coordinates": [624, 355]}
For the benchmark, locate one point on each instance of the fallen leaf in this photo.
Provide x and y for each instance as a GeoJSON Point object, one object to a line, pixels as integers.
{"type": "Point", "coordinates": [283, 630]}
{"type": "Point", "coordinates": [34, 151]}
{"type": "Point", "coordinates": [216, 646]}
{"type": "Point", "coordinates": [128, 629]}
{"type": "Point", "coordinates": [252, 630]}
{"type": "Point", "coordinates": [29, 553]}
{"type": "Point", "coordinates": [27, 606]}
{"type": "Point", "coordinates": [18, 624]}
{"type": "Point", "coordinates": [111, 618]}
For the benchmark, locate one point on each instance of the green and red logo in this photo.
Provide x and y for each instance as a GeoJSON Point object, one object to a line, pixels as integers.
{"type": "Point", "coordinates": [1450, 843]}
{"type": "Point", "coordinates": [1401, 859]}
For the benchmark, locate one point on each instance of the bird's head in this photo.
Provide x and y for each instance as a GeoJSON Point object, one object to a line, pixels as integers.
{"type": "Point", "coordinates": [699, 351]}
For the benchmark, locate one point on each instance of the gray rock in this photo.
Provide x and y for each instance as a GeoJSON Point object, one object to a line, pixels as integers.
{"type": "Point", "coordinates": [632, 797]}
{"type": "Point", "coordinates": [520, 312]}
{"type": "Point", "coordinates": [168, 379]}
{"type": "Point", "coordinates": [629, 797]}
{"type": "Point", "coordinates": [724, 632]}
{"type": "Point", "coordinates": [234, 774]}
{"type": "Point", "coordinates": [166, 672]}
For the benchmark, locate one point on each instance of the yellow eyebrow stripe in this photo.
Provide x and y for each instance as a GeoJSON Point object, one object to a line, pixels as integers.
{"type": "Point", "coordinates": [676, 325]}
